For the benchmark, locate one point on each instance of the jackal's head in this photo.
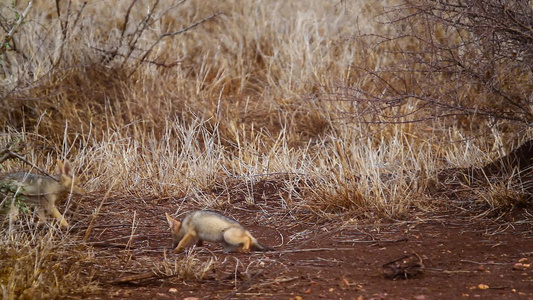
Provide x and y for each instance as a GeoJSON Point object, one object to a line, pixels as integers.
{"type": "Point", "coordinates": [175, 230]}
{"type": "Point", "coordinates": [67, 179]}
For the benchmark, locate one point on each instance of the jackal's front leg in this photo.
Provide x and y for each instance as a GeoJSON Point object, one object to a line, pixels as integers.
{"type": "Point", "coordinates": [50, 206]}
{"type": "Point", "coordinates": [53, 210]}
{"type": "Point", "coordinates": [184, 242]}
{"type": "Point", "coordinates": [41, 215]}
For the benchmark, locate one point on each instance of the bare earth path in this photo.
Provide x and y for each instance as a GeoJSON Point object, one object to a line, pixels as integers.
{"type": "Point", "coordinates": [462, 257]}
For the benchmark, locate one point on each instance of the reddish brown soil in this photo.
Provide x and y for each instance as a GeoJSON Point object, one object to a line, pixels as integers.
{"type": "Point", "coordinates": [462, 256]}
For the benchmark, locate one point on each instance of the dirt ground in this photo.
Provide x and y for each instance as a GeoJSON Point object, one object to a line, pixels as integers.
{"type": "Point", "coordinates": [441, 256]}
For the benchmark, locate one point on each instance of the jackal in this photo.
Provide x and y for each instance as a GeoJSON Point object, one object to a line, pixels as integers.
{"type": "Point", "coordinates": [39, 190]}
{"type": "Point", "coordinates": [203, 225]}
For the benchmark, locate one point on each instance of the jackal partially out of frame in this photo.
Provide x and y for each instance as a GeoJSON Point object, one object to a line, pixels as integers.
{"type": "Point", "coordinates": [203, 225]}
{"type": "Point", "coordinates": [42, 191]}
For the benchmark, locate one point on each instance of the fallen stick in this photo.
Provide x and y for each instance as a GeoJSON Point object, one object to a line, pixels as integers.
{"type": "Point", "coordinates": [482, 263]}
{"type": "Point", "coordinates": [311, 250]}
{"type": "Point", "coordinates": [110, 245]}
{"type": "Point", "coordinates": [134, 278]}
{"type": "Point", "coordinates": [141, 277]}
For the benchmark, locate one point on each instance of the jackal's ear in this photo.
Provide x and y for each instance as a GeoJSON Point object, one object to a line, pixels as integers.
{"type": "Point", "coordinates": [63, 167]}
{"type": "Point", "coordinates": [59, 167]}
{"type": "Point", "coordinates": [174, 224]}
{"type": "Point", "coordinates": [66, 168]}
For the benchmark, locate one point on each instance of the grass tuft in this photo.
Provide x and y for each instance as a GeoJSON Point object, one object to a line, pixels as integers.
{"type": "Point", "coordinates": [43, 263]}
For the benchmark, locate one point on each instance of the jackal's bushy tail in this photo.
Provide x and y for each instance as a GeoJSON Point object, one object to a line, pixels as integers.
{"type": "Point", "coordinates": [256, 246]}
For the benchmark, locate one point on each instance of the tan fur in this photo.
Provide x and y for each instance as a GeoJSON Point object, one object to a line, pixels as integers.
{"type": "Point", "coordinates": [210, 226]}
{"type": "Point", "coordinates": [41, 191]}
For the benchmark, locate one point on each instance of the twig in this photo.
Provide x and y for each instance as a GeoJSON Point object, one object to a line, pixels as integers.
{"type": "Point", "coordinates": [480, 263]}
{"type": "Point", "coordinates": [249, 295]}
{"type": "Point", "coordinates": [191, 26]}
{"type": "Point", "coordinates": [321, 236]}
{"type": "Point", "coordinates": [133, 228]}
{"type": "Point", "coordinates": [114, 53]}
{"type": "Point", "coordinates": [373, 241]}
{"type": "Point", "coordinates": [311, 250]}
{"type": "Point", "coordinates": [114, 226]}
{"type": "Point", "coordinates": [457, 271]}
{"type": "Point", "coordinates": [134, 278]}
{"type": "Point", "coordinates": [147, 52]}
{"type": "Point", "coordinates": [110, 245]}
{"type": "Point", "coordinates": [277, 281]}
{"type": "Point", "coordinates": [7, 154]}
{"type": "Point", "coordinates": [142, 277]}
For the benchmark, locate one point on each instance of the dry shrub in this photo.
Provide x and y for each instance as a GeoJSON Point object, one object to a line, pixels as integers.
{"type": "Point", "coordinates": [43, 264]}
{"type": "Point", "coordinates": [189, 267]}
{"type": "Point", "coordinates": [466, 60]}
{"type": "Point", "coordinates": [452, 73]}
{"type": "Point", "coordinates": [504, 196]}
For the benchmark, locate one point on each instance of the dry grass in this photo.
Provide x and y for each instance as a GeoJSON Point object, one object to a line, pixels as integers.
{"type": "Point", "coordinates": [262, 88]}
{"type": "Point", "coordinates": [43, 263]}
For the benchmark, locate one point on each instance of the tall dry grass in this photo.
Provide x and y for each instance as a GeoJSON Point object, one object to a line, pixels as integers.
{"type": "Point", "coordinates": [219, 100]}
{"type": "Point", "coordinates": [257, 88]}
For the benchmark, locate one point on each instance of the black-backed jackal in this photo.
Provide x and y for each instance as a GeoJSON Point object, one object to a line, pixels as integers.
{"type": "Point", "coordinates": [203, 225]}
{"type": "Point", "coordinates": [42, 191]}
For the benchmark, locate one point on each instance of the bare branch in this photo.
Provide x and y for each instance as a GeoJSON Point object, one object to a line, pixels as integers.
{"type": "Point", "coordinates": [147, 52]}
{"type": "Point", "coordinates": [9, 35]}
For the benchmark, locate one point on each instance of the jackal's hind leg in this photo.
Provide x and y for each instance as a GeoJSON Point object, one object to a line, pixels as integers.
{"type": "Point", "coordinates": [13, 213]}
{"type": "Point", "coordinates": [41, 215]}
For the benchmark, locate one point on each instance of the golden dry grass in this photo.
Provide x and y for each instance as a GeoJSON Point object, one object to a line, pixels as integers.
{"type": "Point", "coordinates": [262, 88]}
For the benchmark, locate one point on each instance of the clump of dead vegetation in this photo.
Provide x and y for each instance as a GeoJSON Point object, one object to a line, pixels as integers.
{"type": "Point", "coordinates": [189, 267]}
{"type": "Point", "coordinates": [43, 263]}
